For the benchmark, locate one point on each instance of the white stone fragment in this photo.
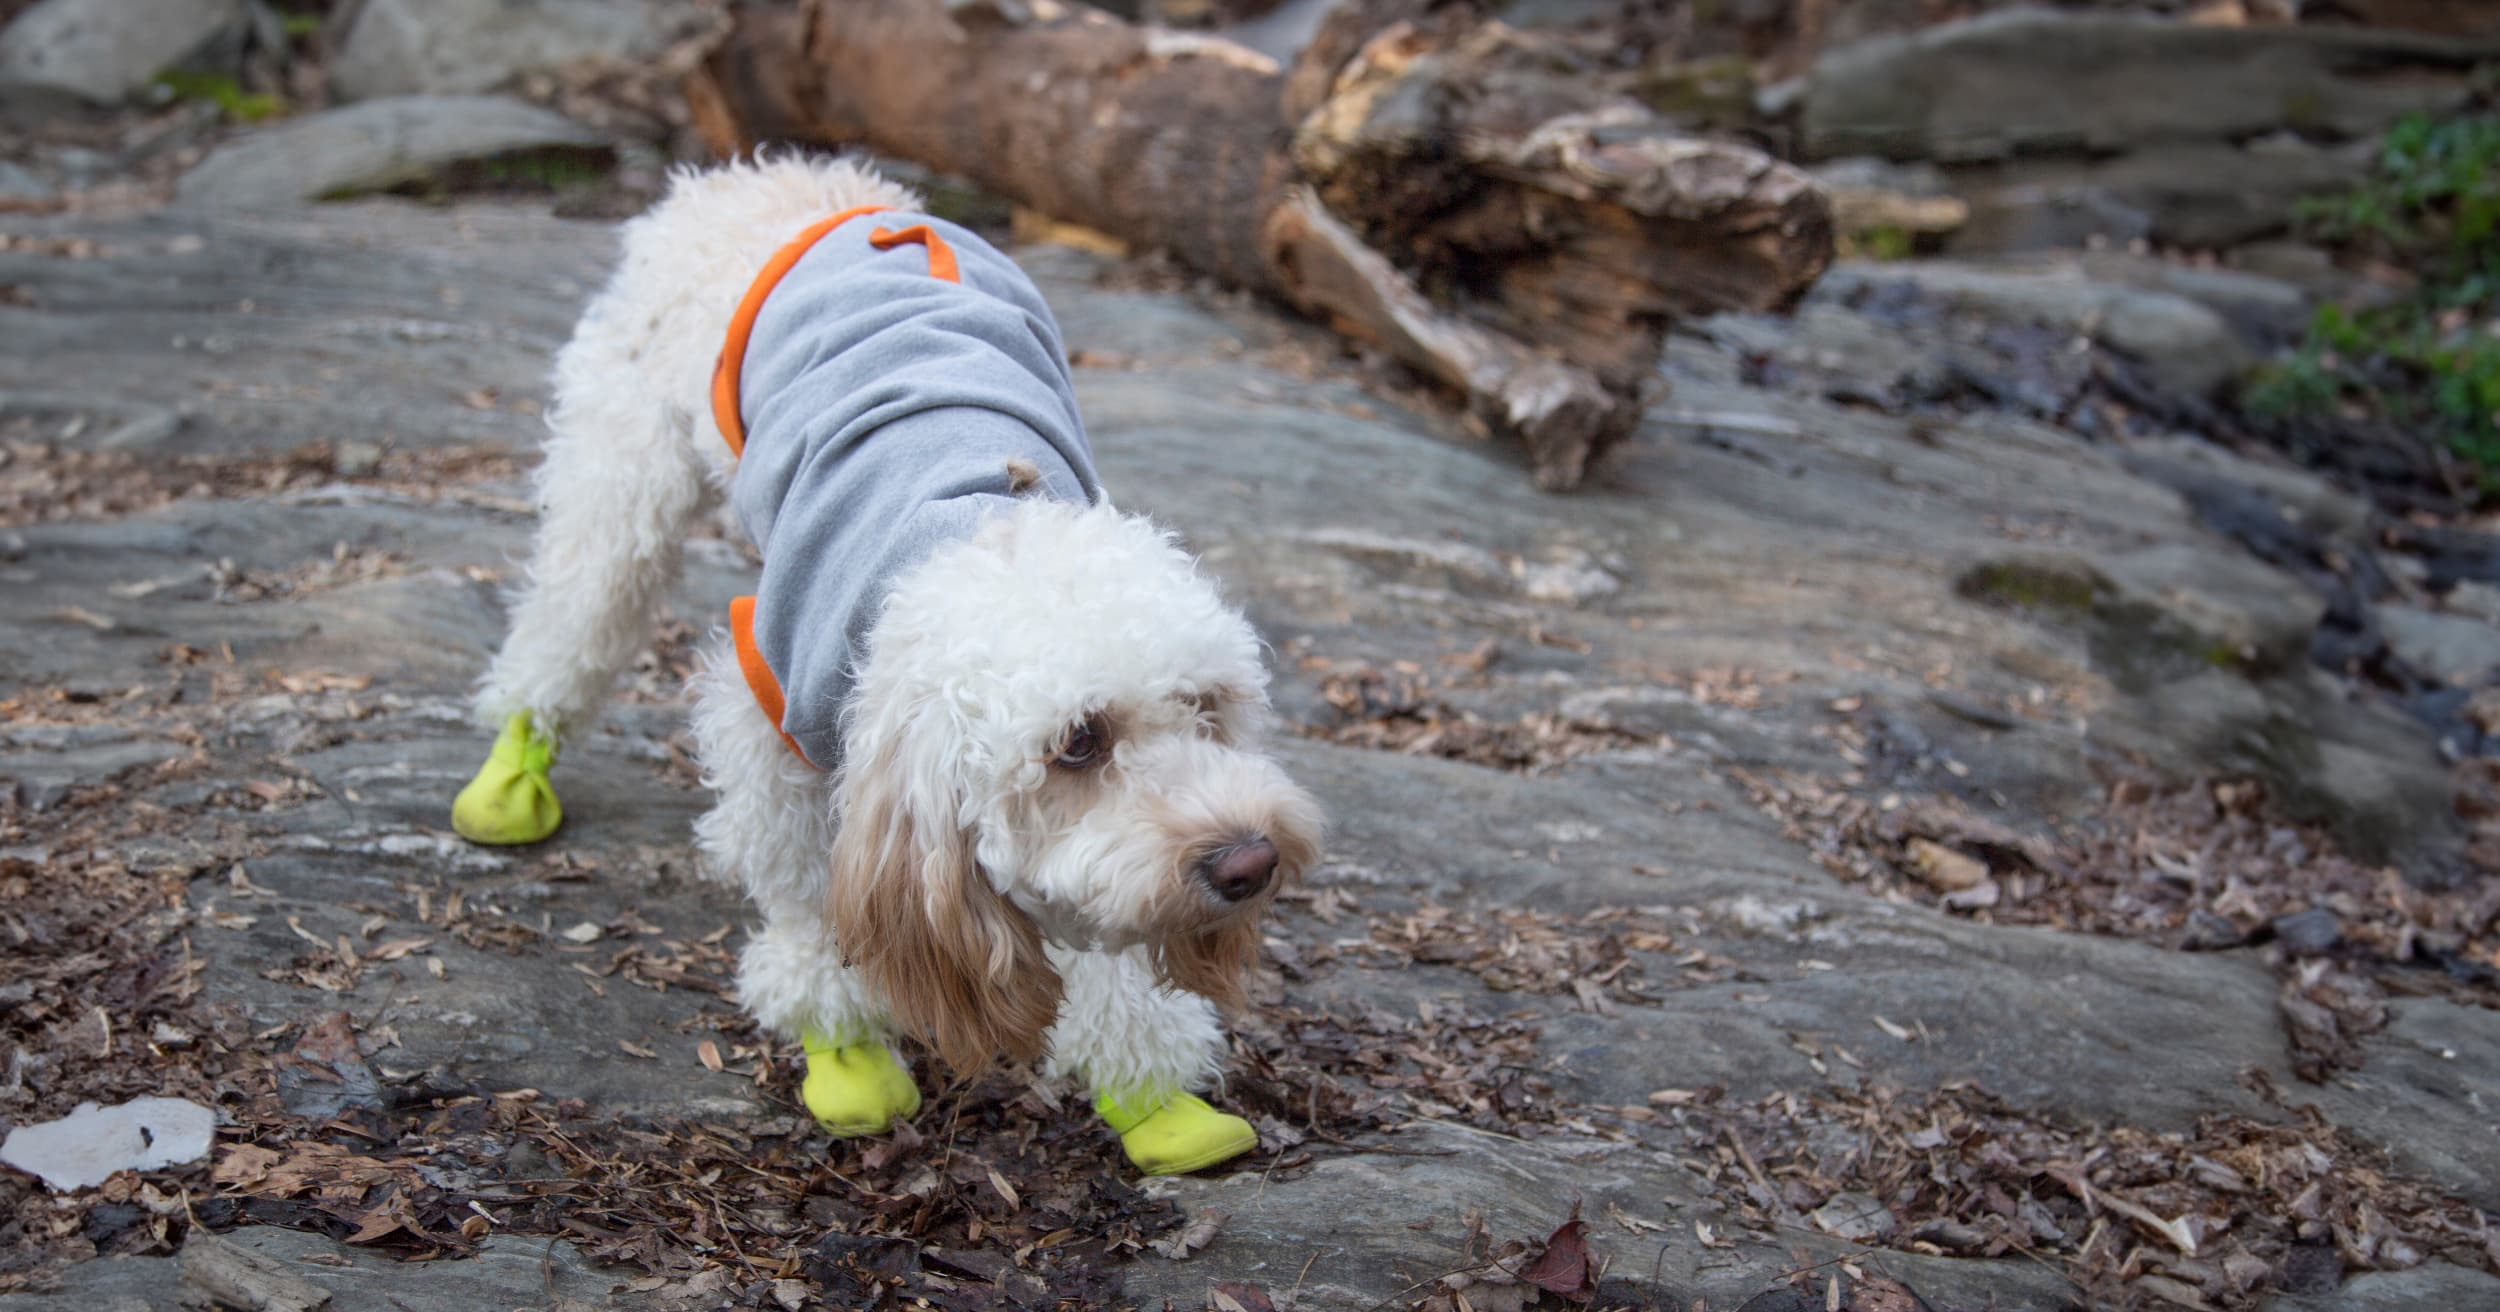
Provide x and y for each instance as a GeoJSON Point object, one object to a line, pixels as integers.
{"type": "Point", "coordinates": [83, 1149]}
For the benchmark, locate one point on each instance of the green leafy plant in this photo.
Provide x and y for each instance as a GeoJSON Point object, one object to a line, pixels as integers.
{"type": "Point", "coordinates": [2429, 358]}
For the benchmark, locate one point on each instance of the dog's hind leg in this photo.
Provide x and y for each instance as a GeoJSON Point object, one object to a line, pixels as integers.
{"type": "Point", "coordinates": [770, 830]}
{"type": "Point", "coordinates": [617, 491]}
{"type": "Point", "coordinates": [1141, 1048]}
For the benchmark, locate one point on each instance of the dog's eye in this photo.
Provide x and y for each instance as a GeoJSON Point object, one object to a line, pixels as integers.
{"type": "Point", "coordinates": [1083, 748]}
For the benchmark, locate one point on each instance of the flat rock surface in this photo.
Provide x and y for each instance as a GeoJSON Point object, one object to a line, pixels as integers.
{"type": "Point", "coordinates": [373, 146]}
{"type": "Point", "coordinates": [2029, 78]}
{"type": "Point", "coordinates": [103, 51]}
{"type": "Point", "coordinates": [1626, 909]}
{"type": "Point", "coordinates": [457, 47]}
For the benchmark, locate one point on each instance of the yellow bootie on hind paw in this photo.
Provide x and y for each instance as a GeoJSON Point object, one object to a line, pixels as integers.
{"type": "Point", "coordinates": [854, 1089]}
{"type": "Point", "coordinates": [511, 801]}
{"type": "Point", "coordinates": [1177, 1134]}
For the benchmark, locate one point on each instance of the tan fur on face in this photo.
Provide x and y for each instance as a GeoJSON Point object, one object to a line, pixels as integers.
{"type": "Point", "coordinates": [1229, 713]}
{"type": "Point", "coordinates": [1214, 962]}
{"type": "Point", "coordinates": [955, 962]}
{"type": "Point", "coordinates": [1212, 957]}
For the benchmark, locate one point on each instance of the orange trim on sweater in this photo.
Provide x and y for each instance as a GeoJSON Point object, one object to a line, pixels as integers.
{"type": "Point", "coordinates": [941, 255]}
{"type": "Point", "coordinates": [733, 353]}
{"type": "Point", "coordinates": [760, 680]}
{"type": "Point", "coordinates": [732, 425]}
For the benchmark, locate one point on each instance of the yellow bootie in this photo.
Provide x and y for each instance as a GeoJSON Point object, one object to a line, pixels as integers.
{"type": "Point", "coordinates": [855, 1088]}
{"type": "Point", "coordinates": [510, 801]}
{"type": "Point", "coordinates": [1177, 1134]}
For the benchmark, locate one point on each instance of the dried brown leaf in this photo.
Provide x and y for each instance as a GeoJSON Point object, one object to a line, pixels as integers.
{"type": "Point", "coordinates": [1566, 1268]}
{"type": "Point", "coordinates": [1199, 1233]}
{"type": "Point", "coordinates": [1236, 1296]}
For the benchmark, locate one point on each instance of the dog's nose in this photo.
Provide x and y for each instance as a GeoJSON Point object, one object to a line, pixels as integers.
{"type": "Point", "coordinates": [1240, 872]}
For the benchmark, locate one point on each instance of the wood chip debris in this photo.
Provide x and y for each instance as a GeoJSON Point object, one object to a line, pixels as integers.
{"type": "Point", "coordinates": [2226, 1209]}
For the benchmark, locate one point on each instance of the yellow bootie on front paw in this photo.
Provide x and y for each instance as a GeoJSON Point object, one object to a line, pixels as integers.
{"type": "Point", "coordinates": [855, 1088]}
{"type": "Point", "coordinates": [1177, 1134]}
{"type": "Point", "coordinates": [510, 801]}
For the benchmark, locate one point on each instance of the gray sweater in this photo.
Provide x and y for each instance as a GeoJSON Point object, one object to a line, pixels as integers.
{"type": "Point", "coordinates": [883, 407]}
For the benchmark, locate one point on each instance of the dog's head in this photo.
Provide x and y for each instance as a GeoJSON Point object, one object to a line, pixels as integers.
{"type": "Point", "coordinates": [1056, 739]}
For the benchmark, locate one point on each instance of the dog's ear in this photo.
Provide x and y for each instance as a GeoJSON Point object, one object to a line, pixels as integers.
{"type": "Point", "coordinates": [954, 962]}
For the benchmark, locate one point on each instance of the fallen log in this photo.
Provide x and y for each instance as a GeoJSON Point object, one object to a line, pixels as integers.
{"type": "Point", "coordinates": [1423, 179]}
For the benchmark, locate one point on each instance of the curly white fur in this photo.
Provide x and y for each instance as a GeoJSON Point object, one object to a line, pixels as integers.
{"type": "Point", "coordinates": [951, 867]}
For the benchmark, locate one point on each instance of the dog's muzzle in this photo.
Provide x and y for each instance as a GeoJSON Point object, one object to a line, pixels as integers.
{"type": "Point", "coordinates": [1239, 872]}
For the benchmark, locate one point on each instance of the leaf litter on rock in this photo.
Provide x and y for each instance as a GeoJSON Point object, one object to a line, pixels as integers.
{"type": "Point", "coordinates": [1516, 1274]}
{"type": "Point", "coordinates": [50, 482]}
{"type": "Point", "coordinates": [2235, 1209]}
{"type": "Point", "coordinates": [733, 1205]}
{"type": "Point", "coordinates": [103, 1003]}
{"type": "Point", "coordinates": [1606, 954]}
{"type": "Point", "coordinates": [1395, 711]}
{"type": "Point", "coordinates": [2200, 866]}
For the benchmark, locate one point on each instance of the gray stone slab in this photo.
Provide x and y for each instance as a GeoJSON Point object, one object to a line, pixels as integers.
{"type": "Point", "coordinates": [372, 146]}
{"type": "Point", "coordinates": [2463, 650]}
{"type": "Point", "coordinates": [1354, 1232]}
{"type": "Point", "coordinates": [458, 47]}
{"type": "Point", "coordinates": [2188, 346]}
{"type": "Point", "coordinates": [2431, 1285]}
{"type": "Point", "coordinates": [103, 52]}
{"type": "Point", "coordinates": [2028, 79]}
{"type": "Point", "coordinates": [376, 323]}
{"type": "Point", "coordinates": [506, 1272]}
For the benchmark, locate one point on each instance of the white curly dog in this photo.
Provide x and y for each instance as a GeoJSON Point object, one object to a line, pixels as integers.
{"type": "Point", "coordinates": [986, 752]}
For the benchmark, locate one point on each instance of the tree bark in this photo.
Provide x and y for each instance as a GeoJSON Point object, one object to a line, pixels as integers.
{"type": "Point", "coordinates": [1423, 179]}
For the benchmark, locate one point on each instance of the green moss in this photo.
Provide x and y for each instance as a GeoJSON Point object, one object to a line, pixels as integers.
{"type": "Point", "coordinates": [224, 92]}
{"type": "Point", "coordinates": [1885, 242]}
{"type": "Point", "coordinates": [1716, 91]}
{"type": "Point", "coordinates": [2306, 110]}
{"type": "Point", "coordinates": [2222, 655]}
{"type": "Point", "coordinates": [549, 171]}
{"type": "Point", "coordinates": [544, 170]}
{"type": "Point", "coordinates": [2032, 586]}
{"type": "Point", "coordinates": [2139, 646]}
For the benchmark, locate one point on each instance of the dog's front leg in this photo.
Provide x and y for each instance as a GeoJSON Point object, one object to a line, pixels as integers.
{"type": "Point", "coordinates": [1143, 1050]}
{"type": "Point", "coordinates": [769, 828]}
{"type": "Point", "coordinates": [792, 978]}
